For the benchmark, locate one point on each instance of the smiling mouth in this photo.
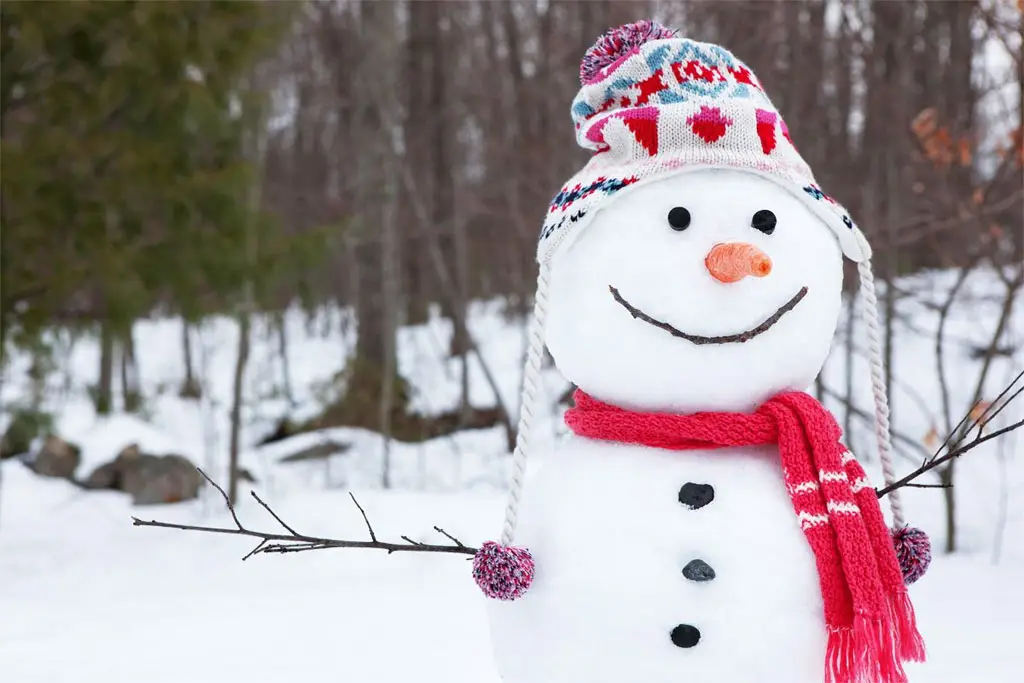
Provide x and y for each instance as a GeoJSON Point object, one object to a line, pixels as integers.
{"type": "Point", "coordinates": [724, 339]}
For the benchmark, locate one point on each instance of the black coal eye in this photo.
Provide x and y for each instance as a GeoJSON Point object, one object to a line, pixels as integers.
{"type": "Point", "coordinates": [764, 220]}
{"type": "Point", "coordinates": [679, 218]}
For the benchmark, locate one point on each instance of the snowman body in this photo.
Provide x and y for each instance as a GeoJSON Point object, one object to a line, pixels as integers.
{"type": "Point", "coordinates": [615, 529]}
{"type": "Point", "coordinates": [625, 569]}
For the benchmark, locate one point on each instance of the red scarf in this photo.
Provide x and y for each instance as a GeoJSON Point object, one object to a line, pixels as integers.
{"type": "Point", "coordinates": [871, 624]}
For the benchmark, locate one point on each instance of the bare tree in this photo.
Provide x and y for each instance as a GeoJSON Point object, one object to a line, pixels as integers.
{"type": "Point", "coordinates": [256, 148]}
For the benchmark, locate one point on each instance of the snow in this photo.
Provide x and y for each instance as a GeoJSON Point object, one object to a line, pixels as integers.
{"type": "Point", "coordinates": [102, 602]}
{"type": "Point", "coordinates": [86, 597]}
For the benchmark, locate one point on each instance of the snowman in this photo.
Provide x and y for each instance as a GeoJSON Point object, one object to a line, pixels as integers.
{"type": "Point", "coordinates": [702, 521]}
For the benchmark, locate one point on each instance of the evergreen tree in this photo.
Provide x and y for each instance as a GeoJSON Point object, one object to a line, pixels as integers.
{"type": "Point", "coordinates": [124, 178]}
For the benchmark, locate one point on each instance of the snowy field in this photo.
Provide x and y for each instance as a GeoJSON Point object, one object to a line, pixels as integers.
{"type": "Point", "coordinates": [87, 598]}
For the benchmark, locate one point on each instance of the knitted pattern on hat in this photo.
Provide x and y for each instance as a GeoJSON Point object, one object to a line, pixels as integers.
{"type": "Point", "coordinates": [872, 629]}
{"type": "Point", "coordinates": [653, 105]}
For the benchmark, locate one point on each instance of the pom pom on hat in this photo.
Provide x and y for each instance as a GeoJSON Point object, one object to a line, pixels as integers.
{"type": "Point", "coordinates": [618, 43]}
{"type": "Point", "coordinates": [503, 572]}
{"type": "Point", "coordinates": [913, 551]}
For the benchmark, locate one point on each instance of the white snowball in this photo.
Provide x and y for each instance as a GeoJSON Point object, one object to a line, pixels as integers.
{"type": "Point", "coordinates": [598, 345]}
{"type": "Point", "coordinates": [610, 539]}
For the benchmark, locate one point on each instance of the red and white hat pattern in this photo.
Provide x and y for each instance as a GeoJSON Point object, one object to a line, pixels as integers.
{"type": "Point", "coordinates": [653, 105]}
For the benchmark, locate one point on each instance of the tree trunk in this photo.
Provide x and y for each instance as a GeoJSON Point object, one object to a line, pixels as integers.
{"type": "Point", "coordinates": [389, 256]}
{"type": "Point", "coordinates": [191, 387]}
{"type": "Point", "coordinates": [371, 349]}
{"type": "Point", "coordinates": [948, 493]}
{"type": "Point", "coordinates": [383, 160]}
{"type": "Point", "coordinates": [104, 398]}
{"type": "Point", "coordinates": [237, 397]}
{"type": "Point", "coordinates": [851, 319]}
{"type": "Point", "coordinates": [254, 148]}
{"type": "Point", "coordinates": [420, 116]}
{"type": "Point", "coordinates": [370, 345]}
{"type": "Point", "coordinates": [889, 301]}
{"type": "Point", "coordinates": [186, 348]}
{"type": "Point", "coordinates": [131, 391]}
{"type": "Point", "coordinates": [444, 206]}
{"type": "Point", "coordinates": [890, 20]}
{"type": "Point", "coordinates": [282, 347]}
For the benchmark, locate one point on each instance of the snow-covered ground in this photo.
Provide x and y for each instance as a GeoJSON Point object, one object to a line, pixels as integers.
{"type": "Point", "coordinates": [86, 597]}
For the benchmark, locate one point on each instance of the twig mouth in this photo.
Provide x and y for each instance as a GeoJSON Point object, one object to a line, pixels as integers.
{"type": "Point", "coordinates": [724, 339]}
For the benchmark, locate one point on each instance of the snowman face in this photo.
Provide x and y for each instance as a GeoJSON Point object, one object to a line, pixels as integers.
{"type": "Point", "coordinates": [709, 290]}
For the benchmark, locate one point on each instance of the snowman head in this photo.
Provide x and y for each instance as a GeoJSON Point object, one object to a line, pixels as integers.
{"type": "Point", "coordinates": [708, 290]}
{"type": "Point", "coordinates": [693, 263]}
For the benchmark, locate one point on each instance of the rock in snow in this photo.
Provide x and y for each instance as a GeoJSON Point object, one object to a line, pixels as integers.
{"type": "Point", "coordinates": [149, 479]}
{"type": "Point", "coordinates": [57, 458]}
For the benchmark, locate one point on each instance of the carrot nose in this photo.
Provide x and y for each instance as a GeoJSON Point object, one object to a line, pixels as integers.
{"type": "Point", "coordinates": [733, 261]}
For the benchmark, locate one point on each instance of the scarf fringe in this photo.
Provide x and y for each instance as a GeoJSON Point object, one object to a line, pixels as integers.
{"type": "Point", "coordinates": [911, 643]}
{"type": "Point", "coordinates": [866, 653]}
{"type": "Point", "coordinates": [890, 663]}
{"type": "Point", "coordinates": [839, 662]}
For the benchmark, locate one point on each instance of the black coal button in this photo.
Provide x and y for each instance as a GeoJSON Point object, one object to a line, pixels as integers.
{"type": "Point", "coordinates": [696, 496]}
{"type": "Point", "coordinates": [685, 635]}
{"type": "Point", "coordinates": [698, 570]}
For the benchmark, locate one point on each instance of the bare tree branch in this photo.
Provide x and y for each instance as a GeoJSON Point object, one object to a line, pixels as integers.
{"type": "Point", "coordinates": [274, 514]}
{"type": "Point", "coordinates": [293, 542]}
{"type": "Point", "coordinates": [958, 436]}
{"type": "Point", "coordinates": [984, 419]}
{"type": "Point", "coordinates": [369, 527]}
{"type": "Point", "coordinates": [932, 464]}
{"type": "Point", "coordinates": [940, 338]}
{"type": "Point", "coordinates": [448, 536]}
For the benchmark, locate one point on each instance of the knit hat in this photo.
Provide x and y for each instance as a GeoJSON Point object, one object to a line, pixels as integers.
{"type": "Point", "coordinates": [653, 105]}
